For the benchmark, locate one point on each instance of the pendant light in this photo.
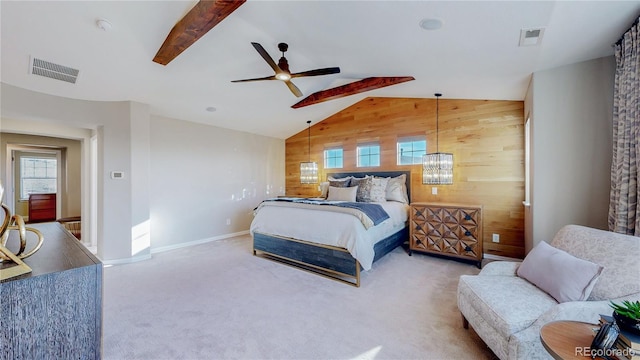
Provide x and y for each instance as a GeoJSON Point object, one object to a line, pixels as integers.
{"type": "Point", "coordinates": [309, 169]}
{"type": "Point", "coordinates": [437, 168]}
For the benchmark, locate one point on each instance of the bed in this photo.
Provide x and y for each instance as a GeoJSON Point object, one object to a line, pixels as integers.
{"type": "Point", "coordinates": [334, 243]}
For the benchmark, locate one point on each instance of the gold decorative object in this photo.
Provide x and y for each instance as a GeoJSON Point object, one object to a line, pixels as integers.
{"type": "Point", "coordinates": [9, 223]}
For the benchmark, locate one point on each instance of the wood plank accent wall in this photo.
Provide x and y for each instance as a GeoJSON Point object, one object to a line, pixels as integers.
{"type": "Point", "coordinates": [486, 138]}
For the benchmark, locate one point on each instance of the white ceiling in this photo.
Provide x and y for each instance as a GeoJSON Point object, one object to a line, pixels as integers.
{"type": "Point", "coordinates": [475, 55]}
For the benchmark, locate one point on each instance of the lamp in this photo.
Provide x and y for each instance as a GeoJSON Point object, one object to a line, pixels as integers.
{"type": "Point", "coordinates": [437, 168]}
{"type": "Point", "coordinates": [309, 169]}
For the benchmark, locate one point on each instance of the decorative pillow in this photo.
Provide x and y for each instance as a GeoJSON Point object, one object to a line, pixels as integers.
{"type": "Point", "coordinates": [364, 185]}
{"type": "Point", "coordinates": [397, 189]}
{"type": "Point", "coordinates": [378, 190]}
{"type": "Point", "coordinates": [342, 194]}
{"type": "Point", "coordinates": [342, 182]}
{"type": "Point", "coordinates": [559, 274]}
{"type": "Point", "coordinates": [324, 189]}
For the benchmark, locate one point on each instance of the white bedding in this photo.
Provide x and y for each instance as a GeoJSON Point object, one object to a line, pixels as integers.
{"type": "Point", "coordinates": [331, 228]}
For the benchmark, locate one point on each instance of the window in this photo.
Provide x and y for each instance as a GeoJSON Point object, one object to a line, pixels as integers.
{"type": "Point", "coordinates": [411, 150]}
{"type": "Point", "coordinates": [38, 175]}
{"type": "Point", "coordinates": [333, 158]}
{"type": "Point", "coordinates": [368, 155]}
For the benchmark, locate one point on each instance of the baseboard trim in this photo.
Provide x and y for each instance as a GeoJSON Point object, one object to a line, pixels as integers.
{"type": "Point", "coordinates": [197, 242]}
{"type": "Point", "coordinates": [499, 257]}
{"type": "Point", "coordinates": [171, 247]}
{"type": "Point", "coordinates": [126, 260]}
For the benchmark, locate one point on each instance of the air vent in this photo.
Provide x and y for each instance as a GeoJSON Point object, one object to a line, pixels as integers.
{"type": "Point", "coordinates": [53, 71]}
{"type": "Point", "coordinates": [531, 37]}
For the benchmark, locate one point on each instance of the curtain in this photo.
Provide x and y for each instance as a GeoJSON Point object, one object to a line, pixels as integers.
{"type": "Point", "coordinates": [624, 212]}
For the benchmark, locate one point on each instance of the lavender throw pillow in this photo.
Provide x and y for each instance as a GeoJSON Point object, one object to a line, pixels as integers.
{"type": "Point", "coordinates": [559, 274]}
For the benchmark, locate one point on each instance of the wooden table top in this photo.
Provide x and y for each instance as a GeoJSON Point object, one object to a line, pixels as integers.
{"type": "Point", "coordinates": [568, 339]}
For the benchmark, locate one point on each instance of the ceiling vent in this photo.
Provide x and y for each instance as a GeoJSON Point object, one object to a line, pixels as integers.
{"type": "Point", "coordinates": [53, 71]}
{"type": "Point", "coordinates": [531, 37]}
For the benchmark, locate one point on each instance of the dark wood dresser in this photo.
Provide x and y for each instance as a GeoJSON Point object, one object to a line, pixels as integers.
{"type": "Point", "coordinates": [54, 312]}
{"type": "Point", "coordinates": [42, 207]}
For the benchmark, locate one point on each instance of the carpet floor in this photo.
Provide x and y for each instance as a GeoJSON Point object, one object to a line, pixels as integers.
{"type": "Point", "coordinates": [218, 301]}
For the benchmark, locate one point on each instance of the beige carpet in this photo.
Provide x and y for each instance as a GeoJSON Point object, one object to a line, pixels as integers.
{"type": "Point", "coordinates": [218, 301]}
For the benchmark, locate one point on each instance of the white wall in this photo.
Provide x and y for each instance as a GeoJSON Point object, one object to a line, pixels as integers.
{"type": "Point", "coordinates": [571, 123]}
{"type": "Point", "coordinates": [182, 180]}
{"type": "Point", "coordinates": [203, 175]}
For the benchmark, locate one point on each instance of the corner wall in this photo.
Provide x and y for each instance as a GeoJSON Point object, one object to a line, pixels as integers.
{"type": "Point", "coordinates": [572, 110]}
{"type": "Point", "coordinates": [202, 176]}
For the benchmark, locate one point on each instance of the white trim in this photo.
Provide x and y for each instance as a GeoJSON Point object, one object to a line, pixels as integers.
{"type": "Point", "coordinates": [126, 260]}
{"type": "Point", "coordinates": [197, 242]}
{"type": "Point", "coordinates": [498, 257]}
{"type": "Point", "coordinates": [172, 247]}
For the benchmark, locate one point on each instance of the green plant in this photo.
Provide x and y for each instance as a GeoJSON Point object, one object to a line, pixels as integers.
{"type": "Point", "coordinates": [628, 309]}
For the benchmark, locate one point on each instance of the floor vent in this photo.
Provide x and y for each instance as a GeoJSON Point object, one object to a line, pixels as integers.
{"type": "Point", "coordinates": [53, 71]}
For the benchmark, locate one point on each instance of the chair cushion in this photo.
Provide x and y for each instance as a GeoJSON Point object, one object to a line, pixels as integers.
{"type": "Point", "coordinates": [508, 303]}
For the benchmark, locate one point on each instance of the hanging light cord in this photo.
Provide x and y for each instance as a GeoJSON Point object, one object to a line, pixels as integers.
{"type": "Point", "coordinates": [437, 121]}
{"type": "Point", "coordinates": [309, 140]}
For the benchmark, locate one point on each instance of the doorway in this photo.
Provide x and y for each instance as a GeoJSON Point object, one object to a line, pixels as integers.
{"type": "Point", "coordinates": [34, 169]}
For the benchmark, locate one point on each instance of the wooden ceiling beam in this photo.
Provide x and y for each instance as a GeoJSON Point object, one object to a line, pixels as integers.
{"type": "Point", "coordinates": [199, 20]}
{"type": "Point", "coordinates": [363, 85]}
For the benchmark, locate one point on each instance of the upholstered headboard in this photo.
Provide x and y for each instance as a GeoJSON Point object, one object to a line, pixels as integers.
{"type": "Point", "coordinates": [377, 173]}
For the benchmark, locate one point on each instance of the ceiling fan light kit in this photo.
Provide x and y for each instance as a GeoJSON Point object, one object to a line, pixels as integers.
{"type": "Point", "coordinates": [281, 69]}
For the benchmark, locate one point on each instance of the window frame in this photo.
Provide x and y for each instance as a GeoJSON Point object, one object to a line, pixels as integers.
{"type": "Point", "coordinates": [22, 177]}
{"type": "Point", "coordinates": [327, 158]}
{"type": "Point", "coordinates": [360, 147]}
{"type": "Point", "coordinates": [412, 140]}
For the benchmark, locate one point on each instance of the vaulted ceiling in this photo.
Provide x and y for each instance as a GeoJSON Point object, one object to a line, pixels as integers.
{"type": "Point", "coordinates": [474, 55]}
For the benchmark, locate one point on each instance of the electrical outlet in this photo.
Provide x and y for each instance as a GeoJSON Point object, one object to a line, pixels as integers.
{"type": "Point", "coordinates": [434, 191]}
{"type": "Point", "coordinates": [228, 221]}
{"type": "Point", "coordinates": [496, 238]}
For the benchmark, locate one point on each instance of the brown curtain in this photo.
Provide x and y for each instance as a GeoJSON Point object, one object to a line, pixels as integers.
{"type": "Point", "coordinates": [624, 213]}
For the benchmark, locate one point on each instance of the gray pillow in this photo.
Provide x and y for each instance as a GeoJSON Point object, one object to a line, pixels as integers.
{"type": "Point", "coordinates": [364, 188]}
{"type": "Point", "coordinates": [559, 274]}
{"type": "Point", "coordinates": [342, 182]}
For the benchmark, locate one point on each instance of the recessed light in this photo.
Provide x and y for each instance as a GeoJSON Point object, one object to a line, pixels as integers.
{"type": "Point", "coordinates": [211, 109]}
{"type": "Point", "coordinates": [431, 24]}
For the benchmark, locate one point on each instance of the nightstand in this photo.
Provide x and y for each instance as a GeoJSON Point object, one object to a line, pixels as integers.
{"type": "Point", "coordinates": [451, 230]}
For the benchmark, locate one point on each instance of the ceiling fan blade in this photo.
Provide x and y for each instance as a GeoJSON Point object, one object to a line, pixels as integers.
{"type": "Point", "coordinates": [316, 72]}
{"type": "Point", "coordinates": [294, 89]}
{"type": "Point", "coordinates": [363, 85]}
{"type": "Point", "coordinates": [266, 57]}
{"type": "Point", "coordinates": [199, 20]}
{"type": "Point", "coordinates": [272, 77]}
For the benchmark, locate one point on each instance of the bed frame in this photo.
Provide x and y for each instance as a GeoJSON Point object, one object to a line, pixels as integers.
{"type": "Point", "coordinates": [329, 261]}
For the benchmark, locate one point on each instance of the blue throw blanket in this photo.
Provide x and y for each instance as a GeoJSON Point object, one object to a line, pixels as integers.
{"type": "Point", "coordinates": [375, 212]}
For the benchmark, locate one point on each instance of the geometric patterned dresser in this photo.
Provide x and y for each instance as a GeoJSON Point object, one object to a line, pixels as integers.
{"type": "Point", "coordinates": [447, 229]}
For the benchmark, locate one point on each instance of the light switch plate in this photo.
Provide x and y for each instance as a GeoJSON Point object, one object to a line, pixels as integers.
{"type": "Point", "coordinates": [117, 175]}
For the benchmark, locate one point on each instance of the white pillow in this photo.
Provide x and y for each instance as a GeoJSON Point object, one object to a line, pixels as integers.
{"type": "Point", "coordinates": [397, 189]}
{"type": "Point", "coordinates": [378, 190]}
{"type": "Point", "coordinates": [559, 274]}
{"type": "Point", "coordinates": [342, 194]}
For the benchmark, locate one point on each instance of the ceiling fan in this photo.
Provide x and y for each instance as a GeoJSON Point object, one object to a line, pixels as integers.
{"type": "Point", "coordinates": [281, 69]}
